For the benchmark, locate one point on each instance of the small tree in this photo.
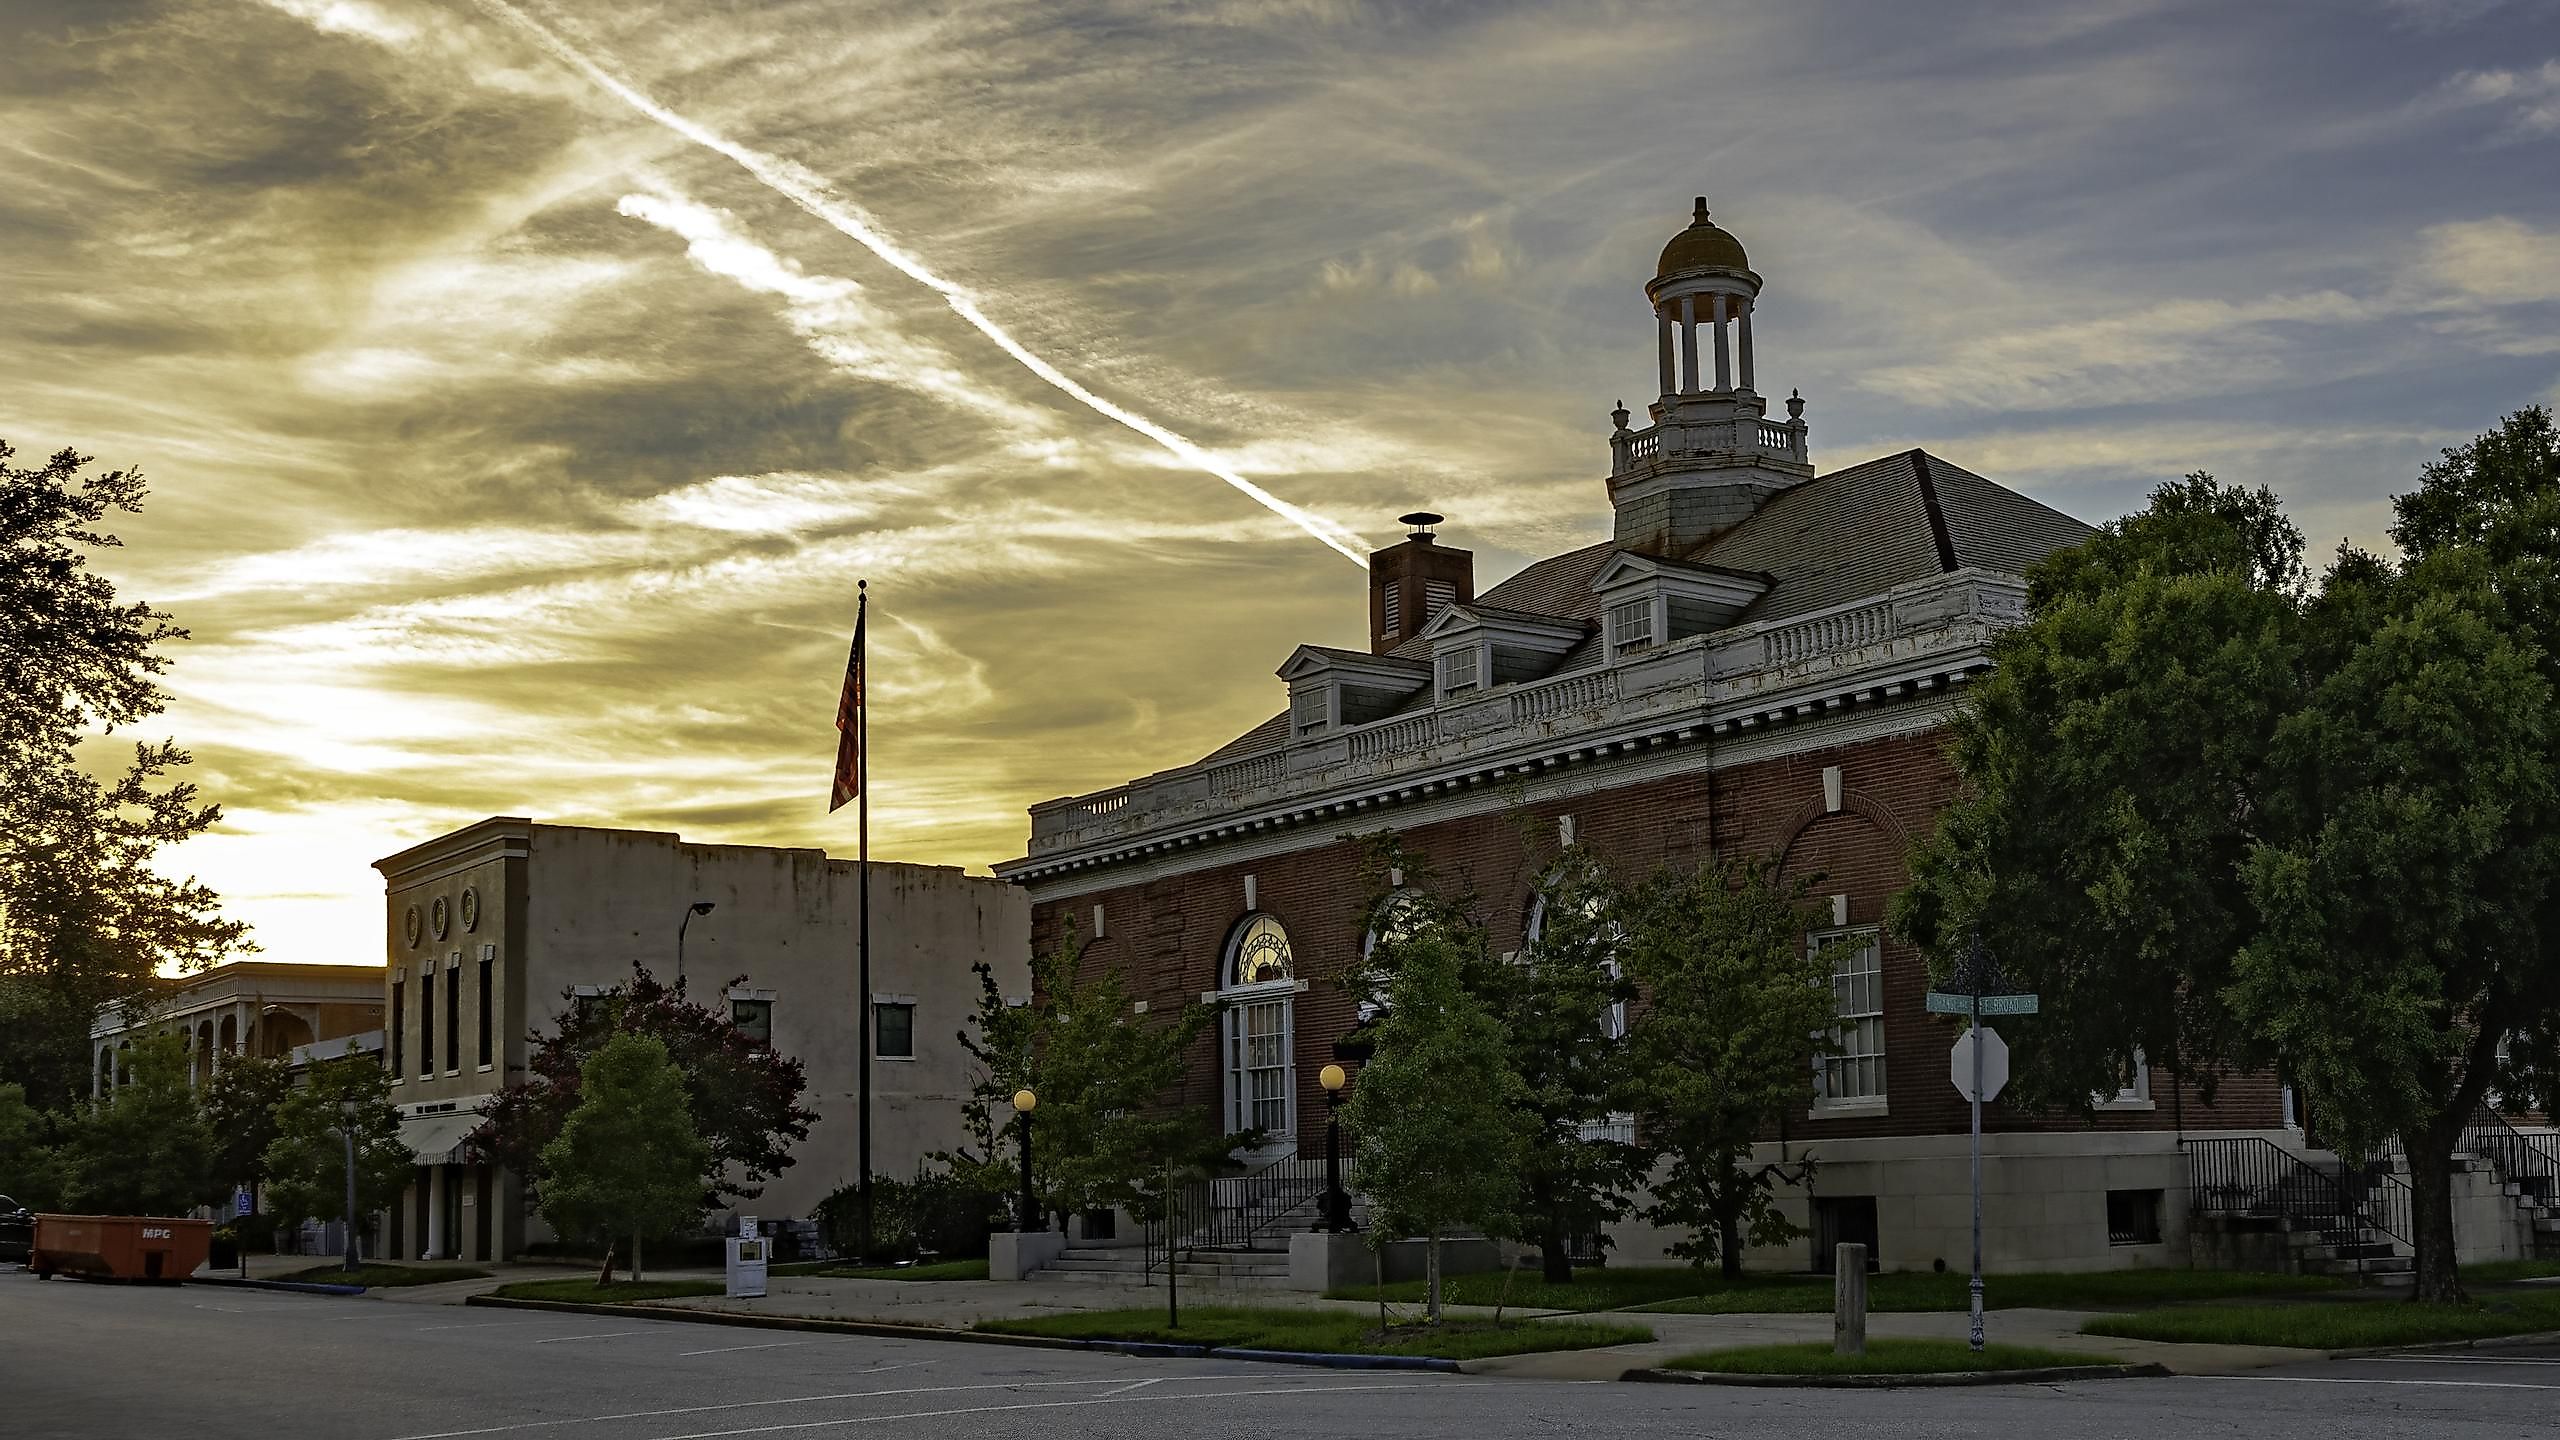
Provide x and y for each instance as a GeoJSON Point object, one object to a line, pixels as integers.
{"type": "Point", "coordinates": [1436, 1120]}
{"type": "Point", "coordinates": [241, 1103]}
{"type": "Point", "coordinates": [629, 1161]}
{"type": "Point", "coordinates": [1736, 1007]}
{"type": "Point", "coordinates": [30, 1171]}
{"type": "Point", "coordinates": [144, 1149]}
{"type": "Point", "coordinates": [744, 1096]}
{"type": "Point", "coordinates": [1104, 1130]}
{"type": "Point", "coordinates": [306, 1162]}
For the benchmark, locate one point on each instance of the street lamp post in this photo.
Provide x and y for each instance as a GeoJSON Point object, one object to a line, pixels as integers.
{"type": "Point", "coordinates": [1337, 1205]}
{"type": "Point", "coordinates": [698, 907]}
{"type": "Point", "coordinates": [1023, 1103]}
{"type": "Point", "coordinates": [347, 1111]}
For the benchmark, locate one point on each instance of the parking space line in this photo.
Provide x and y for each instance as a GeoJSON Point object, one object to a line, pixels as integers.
{"type": "Point", "coordinates": [2357, 1380]}
{"type": "Point", "coordinates": [2454, 1360]}
{"type": "Point", "coordinates": [1255, 1394]}
{"type": "Point", "coordinates": [751, 1404]}
{"type": "Point", "coordinates": [598, 1335]}
{"type": "Point", "coordinates": [734, 1349]}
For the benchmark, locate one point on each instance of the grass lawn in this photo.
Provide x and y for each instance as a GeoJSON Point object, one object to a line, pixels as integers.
{"type": "Point", "coordinates": [585, 1290]}
{"type": "Point", "coordinates": [1682, 1291]}
{"type": "Point", "coordinates": [939, 1270]}
{"type": "Point", "coordinates": [2337, 1327]}
{"type": "Point", "coordinates": [2507, 1272]}
{"type": "Point", "coordinates": [1339, 1332]}
{"type": "Point", "coordinates": [384, 1277]}
{"type": "Point", "coordinates": [1883, 1357]}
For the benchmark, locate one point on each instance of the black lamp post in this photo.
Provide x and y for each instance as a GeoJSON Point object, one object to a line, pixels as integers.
{"type": "Point", "coordinates": [1023, 1103]}
{"type": "Point", "coordinates": [698, 907]}
{"type": "Point", "coordinates": [347, 1112]}
{"type": "Point", "coordinates": [1337, 1204]}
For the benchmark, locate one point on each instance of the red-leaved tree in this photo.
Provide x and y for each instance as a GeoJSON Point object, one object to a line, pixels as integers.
{"type": "Point", "coordinates": [745, 1097]}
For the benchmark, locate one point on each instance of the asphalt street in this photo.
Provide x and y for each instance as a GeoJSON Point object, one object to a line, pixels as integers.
{"type": "Point", "coordinates": [80, 1361]}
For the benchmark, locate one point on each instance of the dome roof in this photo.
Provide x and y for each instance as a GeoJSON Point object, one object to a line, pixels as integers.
{"type": "Point", "coordinates": [1702, 246]}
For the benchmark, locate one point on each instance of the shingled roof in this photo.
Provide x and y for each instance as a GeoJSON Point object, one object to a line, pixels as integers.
{"type": "Point", "coordinates": [1832, 540]}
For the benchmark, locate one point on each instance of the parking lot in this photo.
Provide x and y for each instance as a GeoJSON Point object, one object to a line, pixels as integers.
{"type": "Point", "coordinates": [80, 1361]}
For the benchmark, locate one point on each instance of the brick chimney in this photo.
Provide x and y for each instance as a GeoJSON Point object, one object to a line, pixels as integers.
{"type": "Point", "coordinates": [1412, 581]}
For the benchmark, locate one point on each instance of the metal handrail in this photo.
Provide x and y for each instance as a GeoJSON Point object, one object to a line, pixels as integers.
{"type": "Point", "coordinates": [2520, 1160]}
{"type": "Point", "coordinates": [2255, 1177]}
{"type": "Point", "coordinates": [1230, 1212]}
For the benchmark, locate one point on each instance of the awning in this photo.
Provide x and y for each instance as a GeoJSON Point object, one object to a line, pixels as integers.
{"type": "Point", "coordinates": [437, 1139]}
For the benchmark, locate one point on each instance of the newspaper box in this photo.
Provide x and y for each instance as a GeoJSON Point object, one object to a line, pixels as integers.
{"type": "Point", "coordinates": [748, 1255]}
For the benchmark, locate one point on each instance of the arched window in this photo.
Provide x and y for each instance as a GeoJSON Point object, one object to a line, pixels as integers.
{"type": "Point", "coordinates": [1397, 917]}
{"type": "Point", "coordinates": [1257, 982]}
{"type": "Point", "coordinates": [1613, 1024]}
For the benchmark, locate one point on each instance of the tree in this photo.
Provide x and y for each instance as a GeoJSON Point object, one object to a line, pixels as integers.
{"type": "Point", "coordinates": [1436, 1121]}
{"type": "Point", "coordinates": [1737, 1008]}
{"type": "Point", "coordinates": [744, 1096]}
{"type": "Point", "coordinates": [2224, 816]}
{"type": "Point", "coordinates": [306, 1162]}
{"type": "Point", "coordinates": [144, 1149]}
{"type": "Point", "coordinates": [30, 1171]}
{"type": "Point", "coordinates": [1104, 1130]}
{"type": "Point", "coordinates": [628, 1161]}
{"type": "Point", "coordinates": [88, 921]}
{"type": "Point", "coordinates": [241, 1103]}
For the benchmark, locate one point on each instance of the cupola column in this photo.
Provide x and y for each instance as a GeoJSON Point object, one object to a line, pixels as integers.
{"type": "Point", "coordinates": [1670, 377]}
{"type": "Point", "coordinates": [1724, 354]}
{"type": "Point", "coordinates": [1689, 344]}
{"type": "Point", "coordinates": [1744, 323]}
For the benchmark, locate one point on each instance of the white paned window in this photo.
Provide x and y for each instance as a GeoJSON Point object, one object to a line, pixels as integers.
{"type": "Point", "coordinates": [2135, 1093]}
{"type": "Point", "coordinates": [1458, 671]}
{"type": "Point", "coordinates": [1630, 626]}
{"type": "Point", "coordinates": [1258, 1065]}
{"type": "Point", "coordinates": [1856, 1071]}
{"type": "Point", "coordinates": [1308, 709]}
{"type": "Point", "coordinates": [1437, 595]}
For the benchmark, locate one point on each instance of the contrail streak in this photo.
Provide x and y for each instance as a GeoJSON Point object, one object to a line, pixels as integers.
{"type": "Point", "coordinates": [811, 192]}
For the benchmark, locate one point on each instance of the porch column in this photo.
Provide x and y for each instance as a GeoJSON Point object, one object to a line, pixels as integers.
{"type": "Point", "coordinates": [1689, 344]}
{"type": "Point", "coordinates": [1724, 356]}
{"type": "Point", "coordinates": [435, 1213]}
{"type": "Point", "coordinates": [1662, 324]}
{"type": "Point", "coordinates": [1744, 324]}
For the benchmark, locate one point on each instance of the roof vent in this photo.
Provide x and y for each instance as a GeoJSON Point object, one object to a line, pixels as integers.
{"type": "Point", "coordinates": [1421, 521]}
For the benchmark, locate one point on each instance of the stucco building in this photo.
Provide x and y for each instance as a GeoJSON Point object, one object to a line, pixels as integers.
{"type": "Point", "coordinates": [267, 1008]}
{"type": "Point", "coordinates": [1758, 661]}
{"type": "Point", "coordinates": [486, 928]}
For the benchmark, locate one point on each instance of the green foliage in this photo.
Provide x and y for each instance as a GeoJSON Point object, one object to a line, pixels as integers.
{"type": "Point", "coordinates": [1737, 1005]}
{"type": "Point", "coordinates": [942, 1270]}
{"type": "Point", "coordinates": [306, 1162]}
{"type": "Point", "coordinates": [1436, 1122]}
{"type": "Point", "coordinates": [30, 1169]}
{"type": "Point", "coordinates": [1331, 1332]}
{"type": "Point", "coordinates": [1883, 1357]}
{"type": "Point", "coordinates": [628, 1162]}
{"type": "Point", "coordinates": [1105, 1129]}
{"type": "Point", "coordinates": [241, 1102]}
{"type": "Point", "coordinates": [939, 1212]}
{"type": "Point", "coordinates": [144, 1149]}
{"type": "Point", "coordinates": [1686, 1290]}
{"type": "Point", "coordinates": [2228, 819]}
{"type": "Point", "coordinates": [2346, 1326]}
{"type": "Point", "coordinates": [90, 918]}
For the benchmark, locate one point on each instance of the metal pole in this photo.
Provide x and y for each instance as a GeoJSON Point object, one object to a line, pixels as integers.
{"type": "Point", "coordinates": [862, 925]}
{"type": "Point", "coordinates": [1976, 1287]}
{"type": "Point", "coordinates": [680, 928]}
{"type": "Point", "coordinates": [1031, 1218]}
{"type": "Point", "coordinates": [1336, 1206]}
{"type": "Point", "coordinates": [1172, 1272]}
{"type": "Point", "coordinates": [348, 1129]}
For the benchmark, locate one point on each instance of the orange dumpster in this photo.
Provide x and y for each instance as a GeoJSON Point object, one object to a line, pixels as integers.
{"type": "Point", "coordinates": [119, 1247]}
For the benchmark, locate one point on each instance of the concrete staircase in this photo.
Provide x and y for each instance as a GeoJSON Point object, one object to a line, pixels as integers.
{"type": "Point", "coordinates": [1126, 1265]}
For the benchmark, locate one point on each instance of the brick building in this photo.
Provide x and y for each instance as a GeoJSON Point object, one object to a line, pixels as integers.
{"type": "Point", "coordinates": [1757, 662]}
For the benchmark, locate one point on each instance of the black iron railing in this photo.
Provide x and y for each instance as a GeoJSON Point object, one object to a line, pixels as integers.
{"type": "Point", "coordinates": [2256, 1178]}
{"type": "Point", "coordinates": [1234, 1212]}
{"type": "Point", "coordinates": [2529, 1163]}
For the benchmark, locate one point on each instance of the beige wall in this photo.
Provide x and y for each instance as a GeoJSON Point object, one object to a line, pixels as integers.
{"type": "Point", "coordinates": [570, 906]}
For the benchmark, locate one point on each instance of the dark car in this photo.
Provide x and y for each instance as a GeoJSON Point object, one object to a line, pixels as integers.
{"type": "Point", "coordinates": [17, 1231]}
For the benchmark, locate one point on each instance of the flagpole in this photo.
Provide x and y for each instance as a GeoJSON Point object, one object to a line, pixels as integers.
{"type": "Point", "coordinates": [862, 866]}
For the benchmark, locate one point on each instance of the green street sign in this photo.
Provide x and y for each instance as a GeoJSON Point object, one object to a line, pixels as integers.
{"type": "Point", "coordinates": [1942, 1003]}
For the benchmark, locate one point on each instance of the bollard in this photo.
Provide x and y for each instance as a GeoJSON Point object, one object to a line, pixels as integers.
{"type": "Point", "coordinates": [1849, 1300]}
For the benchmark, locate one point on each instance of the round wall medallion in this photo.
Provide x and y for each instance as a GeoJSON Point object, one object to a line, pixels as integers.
{"type": "Point", "coordinates": [440, 915]}
{"type": "Point", "coordinates": [413, 926]}
{"type": "Point", "coordinates": [470, 907]}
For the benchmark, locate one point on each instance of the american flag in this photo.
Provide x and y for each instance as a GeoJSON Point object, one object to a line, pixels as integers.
{"type": "Point", "coordinates": [849, 719]}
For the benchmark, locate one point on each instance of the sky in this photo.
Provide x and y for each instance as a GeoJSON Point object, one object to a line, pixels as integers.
{"type": "Point", "coordinates": [525, 384]}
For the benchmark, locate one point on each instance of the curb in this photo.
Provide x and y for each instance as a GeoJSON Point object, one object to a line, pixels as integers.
{"type": "Point", "coordinates": [1148, 1349]}
{"type": "Point", "coordinates": [2485, 1342]}
{"type": "Point", "coordinates": [2046, 1375]}
{"type": "Point", "coordinates": [299, 1287]}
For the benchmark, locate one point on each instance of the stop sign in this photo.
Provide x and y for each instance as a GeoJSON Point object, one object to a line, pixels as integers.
{"type": "Point", "coordinates": [1995, 1063]}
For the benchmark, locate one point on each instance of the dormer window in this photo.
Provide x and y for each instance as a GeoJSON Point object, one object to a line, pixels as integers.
{"type": "Point", "coordinates": [1460, 671]}
{"type": "Point", "coordinates": [1631, 626]}
{"type": "Point", "coordinates": [1308, 709]}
